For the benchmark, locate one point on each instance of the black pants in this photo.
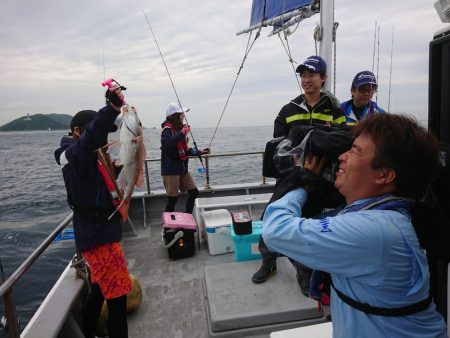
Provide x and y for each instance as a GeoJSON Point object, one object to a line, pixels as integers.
{"type": "Point", "coordinates": [270, 258]}
{"type": "Point", "coordinates": [172, 201]}
{"type": "Point", "coordinates": [117, 314]}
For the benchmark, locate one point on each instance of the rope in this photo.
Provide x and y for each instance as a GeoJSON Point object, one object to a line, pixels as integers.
{"type": "Point", "coordinates": [289, 54]}
{"type": "Point", "coordinates": [81, 269]}
{"type": "Point", "coordinates": [247, 51]}
{"type": "Point", "coordinates": [317, 35]}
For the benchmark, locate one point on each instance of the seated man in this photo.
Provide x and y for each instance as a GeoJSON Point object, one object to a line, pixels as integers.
{"type": "Point", "coordinates": [380, 275]}
{"type": "Point", "coordinates": [360, 106]}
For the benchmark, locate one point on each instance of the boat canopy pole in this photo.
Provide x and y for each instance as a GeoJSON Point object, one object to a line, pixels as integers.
{"type": "Point", "coordinates": [326, 43]}
{"type": "Point", "coordinates": [305, 14]}
{"type": "Point", "coordinates": [282, 17]}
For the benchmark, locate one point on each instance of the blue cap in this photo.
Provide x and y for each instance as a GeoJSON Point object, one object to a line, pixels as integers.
{"type": "Point", "coordinates": [364, 77]}
{"type": "Point", "coordinates": [313, 64]}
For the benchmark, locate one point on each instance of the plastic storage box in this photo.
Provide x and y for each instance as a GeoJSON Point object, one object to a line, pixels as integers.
{"type": "Point", "coordinates": [246, 246]}
{"type": "Point", "coordinates": [217, 227]}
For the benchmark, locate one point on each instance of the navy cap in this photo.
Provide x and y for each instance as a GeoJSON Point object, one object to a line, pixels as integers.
{"type": "Point", "coordinates": [82, 118]}
{"type": "Point", "coordinates": [364, 77]}
{"type": "Point", "coordinates": [313, 64]}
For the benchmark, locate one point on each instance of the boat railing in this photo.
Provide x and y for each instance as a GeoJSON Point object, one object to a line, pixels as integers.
{"type": "Point", "coordinates": [6, 288]}
{"type": "Point", "coordinates": [207, 159]}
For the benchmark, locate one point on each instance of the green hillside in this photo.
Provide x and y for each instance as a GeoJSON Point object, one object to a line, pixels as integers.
{"type": "Point", "coordinates": [39, 122]}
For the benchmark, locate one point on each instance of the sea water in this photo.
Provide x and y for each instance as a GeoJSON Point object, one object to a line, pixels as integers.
{"type": "Point", "coordinates": [33, 196]}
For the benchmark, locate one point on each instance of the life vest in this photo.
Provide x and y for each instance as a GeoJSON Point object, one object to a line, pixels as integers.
{"type": "Point", "coordinates": [182, 146]}
{"type": "Point", "coordinates": [105, 169]}
{"type": "Point", "coordinates": [109, 184]}
{"type": "Point", "coordinates": [352, 119]}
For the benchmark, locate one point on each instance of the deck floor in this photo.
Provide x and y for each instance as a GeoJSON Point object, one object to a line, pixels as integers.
{"type": "Point", "coordinates": [173, 303]}
{"type": "Point", "coordinates": [172, 297]}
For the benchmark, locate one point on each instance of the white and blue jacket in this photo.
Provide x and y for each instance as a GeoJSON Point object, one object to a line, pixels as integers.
{"type": "Point", "coordinates": [373, 256]}
{"type": "Point", "coordinates": [351, 118]}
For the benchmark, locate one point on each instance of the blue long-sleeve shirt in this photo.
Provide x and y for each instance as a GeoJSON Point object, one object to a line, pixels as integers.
{"type": "Point", "coordinates": [373, 256]}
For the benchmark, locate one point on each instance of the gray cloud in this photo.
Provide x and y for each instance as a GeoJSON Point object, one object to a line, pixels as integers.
{"type": "Point", "coordinates": [55, 53]}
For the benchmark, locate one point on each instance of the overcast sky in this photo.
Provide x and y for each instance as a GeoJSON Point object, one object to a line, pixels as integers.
{"type": "Point", "coordinates": [55, 53]}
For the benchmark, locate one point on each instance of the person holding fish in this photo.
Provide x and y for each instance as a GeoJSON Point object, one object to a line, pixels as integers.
{"type": "Point", "coordinates": [88, 179]}
{"type": "Point", "coordinates": [175, 154]}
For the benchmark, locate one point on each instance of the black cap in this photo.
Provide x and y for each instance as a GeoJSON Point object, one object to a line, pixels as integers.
{"type": "Point", "coordinates": [82, 118]}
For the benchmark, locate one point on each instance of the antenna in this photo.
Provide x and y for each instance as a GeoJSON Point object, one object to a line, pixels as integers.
{"type": "Point", "coordinates": [374, 46]}
{"type": "Point", "coordinates": [378, 62]}
{"type": "Point", "coordinates": [390, 71]}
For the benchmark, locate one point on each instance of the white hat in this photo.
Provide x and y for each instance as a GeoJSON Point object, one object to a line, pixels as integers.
{"type": "Point", "coordinates": [173, 108]}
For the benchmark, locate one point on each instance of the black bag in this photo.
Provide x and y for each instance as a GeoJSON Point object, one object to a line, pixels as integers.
{"type": "Point", "coordinates": [178, 234]}
{"type": "Point", "coordinates": [180, 243]}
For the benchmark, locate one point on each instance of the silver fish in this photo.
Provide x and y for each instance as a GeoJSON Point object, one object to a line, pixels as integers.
{"type": "Point", "coordinates": [132, 155]}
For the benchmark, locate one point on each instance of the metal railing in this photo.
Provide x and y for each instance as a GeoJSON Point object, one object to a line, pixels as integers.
{"type": "Point", "coordinates": [207, 162]}
{"type": "Point", "coordinates": [6, 288]}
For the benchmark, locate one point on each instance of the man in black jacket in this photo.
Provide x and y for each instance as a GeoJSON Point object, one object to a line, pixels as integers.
{"type": "Point", "coordinates": [313, 107]}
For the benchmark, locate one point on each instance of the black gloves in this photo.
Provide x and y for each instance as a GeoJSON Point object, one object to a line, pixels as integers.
{"type": "Point", "coordinates": [325, 195]}
{"type": "Point", "coordinates": [112, 97]}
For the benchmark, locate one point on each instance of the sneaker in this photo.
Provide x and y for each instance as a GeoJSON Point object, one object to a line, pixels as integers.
{"type": "Point", "coordinates": [264, 273]}
{"type": "Point", "coordinates": [304, 281]}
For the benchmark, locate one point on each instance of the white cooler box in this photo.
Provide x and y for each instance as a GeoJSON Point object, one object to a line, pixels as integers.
{"type": "Point", "coordinates": [217, 226]}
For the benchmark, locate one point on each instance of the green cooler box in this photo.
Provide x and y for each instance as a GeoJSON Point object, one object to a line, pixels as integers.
{"type": "Point", "coordinates": [246, 246]}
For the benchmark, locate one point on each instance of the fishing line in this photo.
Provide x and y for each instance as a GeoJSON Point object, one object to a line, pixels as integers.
{"type": "Point", "coordinates": [247, 51]}
{"type": "Point", "coordinates": [175, 91]}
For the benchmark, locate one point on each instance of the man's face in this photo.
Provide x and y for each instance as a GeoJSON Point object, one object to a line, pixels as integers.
{"type": "Point", "coordinates": [355, 178]}
{"type": "Point", "coordinates": [311, 82]}
{"type": "Point", "coordinates": [362, 95]}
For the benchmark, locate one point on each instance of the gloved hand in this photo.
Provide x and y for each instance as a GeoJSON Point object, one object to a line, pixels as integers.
{"type": "Point", "coordinates": [205, 151]}
{"type": "Point", "coordinates": [186, 128]}
{"type": "Point", "coordinates": [115, 97]}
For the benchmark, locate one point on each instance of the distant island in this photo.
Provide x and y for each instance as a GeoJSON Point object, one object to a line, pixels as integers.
{"type": "Point", "coordinates": [39, 122]}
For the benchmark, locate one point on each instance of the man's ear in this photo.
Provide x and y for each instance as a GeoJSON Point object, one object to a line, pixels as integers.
{"type": "Point", "coordinates": [76, 133]}
{"type": "Point", "coordinates": [386, 176]}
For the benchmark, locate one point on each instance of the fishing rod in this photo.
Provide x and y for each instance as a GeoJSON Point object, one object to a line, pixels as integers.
{"type": "Point", "coordinates": [176, 93]}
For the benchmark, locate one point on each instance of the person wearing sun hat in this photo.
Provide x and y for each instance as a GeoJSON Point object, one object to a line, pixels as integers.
{"type": "Point", "coordinates": [175, 154]}
{"type": "Point", "coordinates": [364, 85]}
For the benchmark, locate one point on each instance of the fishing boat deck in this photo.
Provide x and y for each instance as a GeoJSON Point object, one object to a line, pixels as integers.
{"type": "Point", "coordinates": [175, 300]}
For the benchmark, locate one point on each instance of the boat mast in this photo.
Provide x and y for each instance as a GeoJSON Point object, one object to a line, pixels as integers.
{"type": "Point", "coordinates": [326, 43]}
